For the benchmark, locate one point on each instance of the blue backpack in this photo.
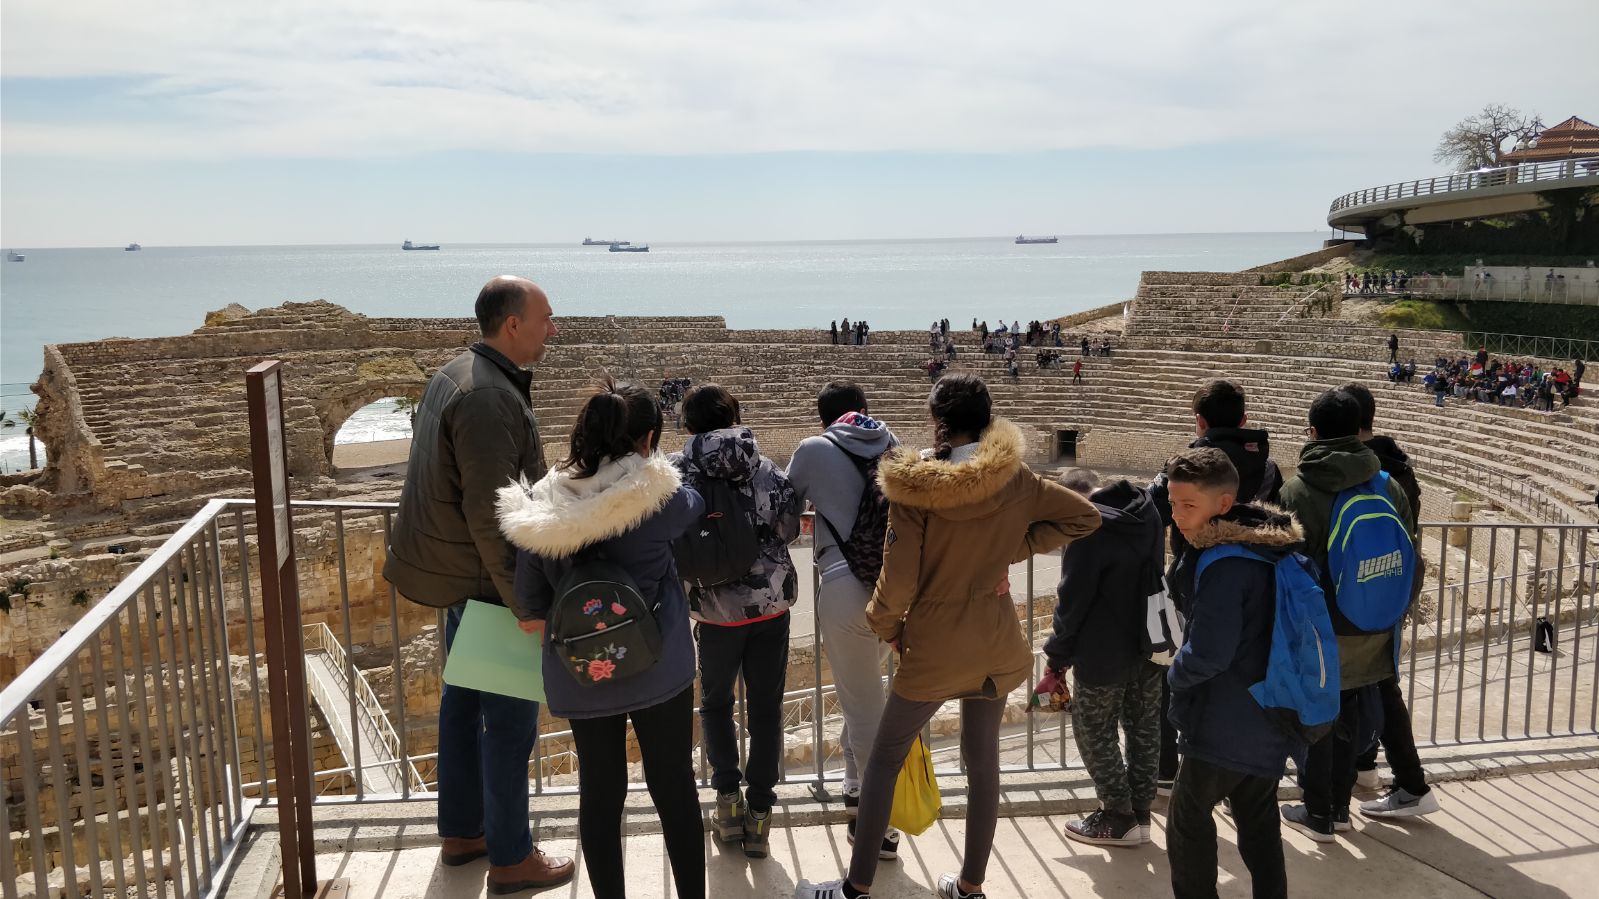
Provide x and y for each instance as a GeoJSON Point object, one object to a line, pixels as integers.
{"type": "Point", "coordinates": [1300, 691]}
{"type": "Point", "coordinates": [1371, 562]}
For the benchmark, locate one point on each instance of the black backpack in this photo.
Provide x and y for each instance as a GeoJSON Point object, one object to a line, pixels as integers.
{"type": "Point", "coordinates": [600, 623]}
{"type": "Point", "coordinates": [863, 551]}
{"type": "Point", "coordinates": [721, 547]}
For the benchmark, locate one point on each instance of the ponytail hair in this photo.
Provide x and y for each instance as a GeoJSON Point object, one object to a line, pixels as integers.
{"type": "Point", "coordinates": [960, 404]}
{"type": "Point", "coordinates": [610, 426]}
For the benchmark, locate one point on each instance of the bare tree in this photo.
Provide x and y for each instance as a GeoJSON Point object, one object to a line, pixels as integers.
{"type": "Point", "coordinates": [1479, 141]}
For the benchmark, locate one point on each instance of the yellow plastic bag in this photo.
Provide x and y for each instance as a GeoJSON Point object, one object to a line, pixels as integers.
{"type": "Point", "coordinates": [916, 800]}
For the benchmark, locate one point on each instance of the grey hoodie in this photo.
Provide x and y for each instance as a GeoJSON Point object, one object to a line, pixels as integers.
{"type": "Point", "coordinates": [770, 586]}
{"type": "Point", "coordinates": [829, 479]}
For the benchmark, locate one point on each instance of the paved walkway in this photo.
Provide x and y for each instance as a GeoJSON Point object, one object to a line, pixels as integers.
{"type": "Point", "coordinates": [1533, 836]}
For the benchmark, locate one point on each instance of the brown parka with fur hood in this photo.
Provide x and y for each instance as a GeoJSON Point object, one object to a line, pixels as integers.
{"type": "Point", "coordinates": [954, 528]}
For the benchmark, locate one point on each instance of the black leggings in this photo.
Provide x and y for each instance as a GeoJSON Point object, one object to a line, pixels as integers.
{"type": "Point", "coordinates": [665, 739]}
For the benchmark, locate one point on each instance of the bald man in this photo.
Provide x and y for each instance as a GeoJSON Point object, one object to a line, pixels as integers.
{"type": "Point", "coordinates": [474, 433]}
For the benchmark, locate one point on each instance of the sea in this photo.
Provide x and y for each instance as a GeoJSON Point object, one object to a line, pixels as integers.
{"type": "Point", "coordinates": [91, 293]}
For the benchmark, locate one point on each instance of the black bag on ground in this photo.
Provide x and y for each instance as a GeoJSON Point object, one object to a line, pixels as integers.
{"type": "Point", "coordinates": [721, 547]}
{"type": "Point", "coordinates": [863, 551]}
{"type": "Point", "coordinates": [600, 623]}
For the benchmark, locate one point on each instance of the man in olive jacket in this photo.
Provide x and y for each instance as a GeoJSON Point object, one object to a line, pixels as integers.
{"type": "Point", "coordinates": [474, 433]}
{"type": "Point", "coordinates": [1332, 461]}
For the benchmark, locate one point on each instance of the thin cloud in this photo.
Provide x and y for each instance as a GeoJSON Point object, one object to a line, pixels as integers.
{"type": "Point", "coordinates": [365, 79]}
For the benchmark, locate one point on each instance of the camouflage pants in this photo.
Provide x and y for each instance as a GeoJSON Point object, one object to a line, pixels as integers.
{"type": "Point", "coordinates": [1099, 714]}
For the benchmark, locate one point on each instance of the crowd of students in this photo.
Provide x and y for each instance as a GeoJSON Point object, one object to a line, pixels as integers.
{"type": "Point", "coordinates": [679, 565]}
{"type": "Point", "coordinates": [1516, 383]}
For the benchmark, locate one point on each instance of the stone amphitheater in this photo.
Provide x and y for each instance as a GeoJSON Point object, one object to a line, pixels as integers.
{"type": "Point", "coordinates": [140, 433]}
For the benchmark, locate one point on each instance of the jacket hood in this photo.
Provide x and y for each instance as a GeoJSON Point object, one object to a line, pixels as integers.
{"type": "Point", "coordinates": [1124, 508]}
{"type": "Point", "coordinates": [861, 435]}
{"type": "Point", "coordinates": [1385, 448]}
{"type": "Point", "coordinates": [942, 485]}
{"type": "Point", "coordinates": [1250, 440]}
{"type": "Point", "coordinates": [1334, 465]}
{"type": "Point", "coordinates": [728, 454]}
{"type": "Point", "coordinates": [561, 514]}
{"type": "Point", "coordinates": [1252, 524]}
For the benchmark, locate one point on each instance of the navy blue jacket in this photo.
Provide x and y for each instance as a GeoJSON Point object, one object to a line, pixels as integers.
{"type": "Point", "coordinates": [1227, 645]}
{"type": "Point", "coordinates": [632, 510]}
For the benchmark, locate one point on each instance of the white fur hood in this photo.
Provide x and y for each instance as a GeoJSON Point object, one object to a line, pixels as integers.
{"type": "Point", "coordinates": [561, 514]}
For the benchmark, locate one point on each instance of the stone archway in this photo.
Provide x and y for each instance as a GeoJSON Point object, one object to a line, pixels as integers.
{"type": "Point", "coordinates": [376, 379]}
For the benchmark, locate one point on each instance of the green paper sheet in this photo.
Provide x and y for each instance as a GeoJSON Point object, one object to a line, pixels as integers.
{"type": "Point", "coordinates": [491, 654]}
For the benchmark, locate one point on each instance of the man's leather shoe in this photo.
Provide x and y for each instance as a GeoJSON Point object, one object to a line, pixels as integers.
{"type": "Point", "coordinates": [463, 850]}
{"type": "Point", "coordinates": [534, 872]}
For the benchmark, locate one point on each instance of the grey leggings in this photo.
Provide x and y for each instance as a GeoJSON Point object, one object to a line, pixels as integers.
{"type": "Point", "coordinates": [902, 720]}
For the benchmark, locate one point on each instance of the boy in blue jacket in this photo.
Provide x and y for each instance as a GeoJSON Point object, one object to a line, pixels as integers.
{"type": "Point", "coordinates": [1230, 750]}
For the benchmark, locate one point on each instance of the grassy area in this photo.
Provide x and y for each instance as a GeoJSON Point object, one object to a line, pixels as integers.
{"type": "Point", "coordinates": [1424, 315]}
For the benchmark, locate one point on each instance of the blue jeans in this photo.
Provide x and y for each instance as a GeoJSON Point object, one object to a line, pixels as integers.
{"type": "Point", "coordinates": [485, 741]}
{"type": "Point", "coordinates": [760, 653]}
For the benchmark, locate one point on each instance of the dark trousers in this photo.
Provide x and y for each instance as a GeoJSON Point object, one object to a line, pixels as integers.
{"type": "Point", "coordinates": [666, 743]}
{"type": "Point", "coordinates": [759, 652]}
{"type": "Point", "coordinates": [1328, 778]}
{"type": "Point", "coordinates": [1191, 830]}
{"type": "Point", "coordinates": [1168, 735]}
{"type": "Point", "coordinates": [485, 740]}
{"type": "Point", "coordinates": [1398, 741]}
{"type": "Point", "coordinates": [903, 720]}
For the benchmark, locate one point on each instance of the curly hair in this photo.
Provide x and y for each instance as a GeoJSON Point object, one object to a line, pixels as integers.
{"type": "Point", "coordinates": [959, 404]}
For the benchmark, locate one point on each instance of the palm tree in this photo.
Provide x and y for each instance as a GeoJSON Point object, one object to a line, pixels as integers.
{"type": "Point", "coordinates": [406, 406]}
{"type": "Point", "coordinates": [30, 418]}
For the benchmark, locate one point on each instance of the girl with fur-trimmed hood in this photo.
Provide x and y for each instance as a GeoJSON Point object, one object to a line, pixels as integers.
{"type": "Point", "coordinates": [615, 493]}
{"type": "Point", "coordinates": [959, 516]}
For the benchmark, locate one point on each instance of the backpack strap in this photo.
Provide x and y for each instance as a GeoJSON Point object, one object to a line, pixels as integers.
{"type": "Point", "coordinates": [860, 463]}
{"type": "Point", "coordinates": [1225, 551]}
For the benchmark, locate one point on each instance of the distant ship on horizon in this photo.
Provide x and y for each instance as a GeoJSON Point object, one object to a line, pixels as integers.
{"type": "Point", "coordinates": [624, 248]}
{"type": "Point", "coordinates": [14, 256]}
{"type": "Point", "coordinates": [131, 248]}
{"type": "Point", "coordinates": [1021, 238]}
{"type": "Point", "coordinates": [418, 246]}
{"type": "Point", "coordinates": [591, 242]}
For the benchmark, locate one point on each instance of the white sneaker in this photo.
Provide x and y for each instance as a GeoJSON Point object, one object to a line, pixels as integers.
{"type": "Point", "coordinates": [832, 889]}
{"type": "Point", "coordinates": [1368, 780]}
{"type": "Point", "coordinates": [1401, 804]}
{"type": "Point", "coordinates": [949, 887]}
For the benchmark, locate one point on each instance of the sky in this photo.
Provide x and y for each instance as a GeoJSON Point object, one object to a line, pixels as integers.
{"type": "Point", "coordinates": [346, 121]}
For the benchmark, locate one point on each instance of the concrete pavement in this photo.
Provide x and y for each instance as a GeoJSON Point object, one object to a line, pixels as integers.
{"type": "Point", "coordinates": [1532, 836]}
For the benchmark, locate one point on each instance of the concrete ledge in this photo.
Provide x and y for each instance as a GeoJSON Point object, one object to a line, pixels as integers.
{"type": "Point", "coordinates": [383, 826]}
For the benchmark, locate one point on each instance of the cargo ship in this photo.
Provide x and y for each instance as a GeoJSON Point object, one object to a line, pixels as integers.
{"type": "Point", "coordinates": [418, 246]}
{"type": "Point", "coordinates": [1024, 239]}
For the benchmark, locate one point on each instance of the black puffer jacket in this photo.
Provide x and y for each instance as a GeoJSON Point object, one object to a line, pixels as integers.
{"type": "Point", "coordinates": [1106, 579]}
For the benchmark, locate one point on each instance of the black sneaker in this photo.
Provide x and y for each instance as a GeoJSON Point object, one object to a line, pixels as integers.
{"type": "Point", "coordinates": [852, 802]}
{"type": "Point", "coordinates": [890, 850]}
{"type": "Point", "coordinates": [1341, 821]}
{"type": "Point", "coordinates": [1316, 827]}
{"type": "Point", "coordinates": [1106, 828]}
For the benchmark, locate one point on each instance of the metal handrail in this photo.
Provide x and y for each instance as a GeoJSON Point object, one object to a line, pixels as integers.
{"type": "Point", "coordinates": [320, 637]}
{"type": "Point", "coordinates": [1532, 172]}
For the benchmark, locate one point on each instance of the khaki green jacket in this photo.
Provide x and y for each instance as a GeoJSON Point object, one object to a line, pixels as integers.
{"type": "Point", "coordinates": [954, 528]}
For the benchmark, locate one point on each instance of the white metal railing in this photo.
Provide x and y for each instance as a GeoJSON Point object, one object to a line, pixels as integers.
{"type": "Point", "coordinates": [319, 637]}
{"type": "Point", "coordinates": [154, 655]}
{"type": "Point", "coordinates": [1527, 173]}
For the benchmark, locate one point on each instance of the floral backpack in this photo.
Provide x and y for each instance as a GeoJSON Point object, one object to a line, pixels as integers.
{"type": "Point", "coordinates": [600, 624]}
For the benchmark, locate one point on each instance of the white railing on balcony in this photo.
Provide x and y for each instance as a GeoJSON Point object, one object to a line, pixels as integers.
{"type": "Point", "coordinates": [1459, 182]}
